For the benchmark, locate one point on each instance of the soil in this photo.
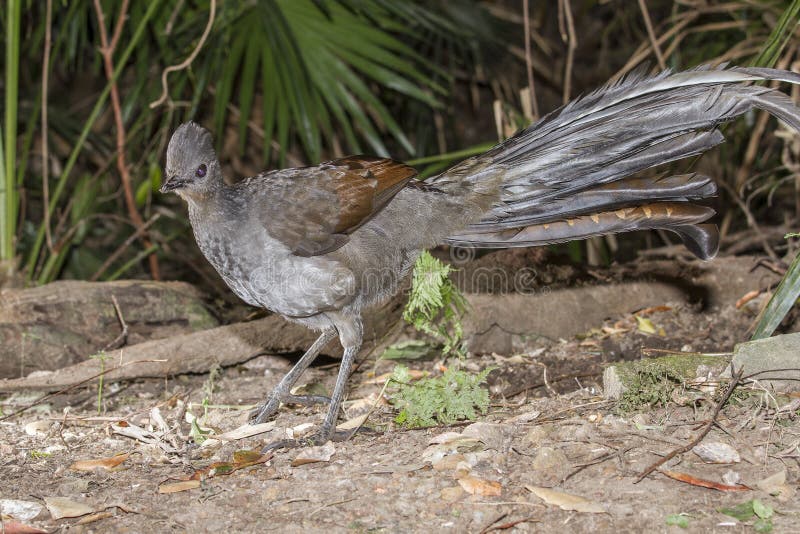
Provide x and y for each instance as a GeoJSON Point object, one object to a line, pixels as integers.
{"type": "Point", "coordinates": [548, 426]}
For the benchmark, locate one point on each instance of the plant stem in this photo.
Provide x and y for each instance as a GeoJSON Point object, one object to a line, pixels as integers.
{"type": "Point", "coordinates": [107, 50]}
{"type": "Point", "coordinates": [9, 163]}
{"type": "Point", "coordinates": [73, 157]}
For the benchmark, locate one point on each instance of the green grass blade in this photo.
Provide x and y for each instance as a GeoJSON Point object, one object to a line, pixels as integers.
{"type": "Point", "coordinates": [783, 31]}
{"type": "Point", "coordinates": [781, 302]}
{"type": "Point", "coordinates": [10, 201]}
{"type": "Point", "coordinates": [121, 61]}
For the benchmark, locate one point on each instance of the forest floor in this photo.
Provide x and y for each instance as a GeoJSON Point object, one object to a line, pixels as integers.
{"type": "Point", "coordinates": [550, 454]}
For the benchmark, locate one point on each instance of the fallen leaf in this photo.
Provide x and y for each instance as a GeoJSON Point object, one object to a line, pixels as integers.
{"type": "Point", "coordinates": [645, 325]}
{"type": "Point", "coordinates": [37, 427]}
{"type": "Point", "coordinates": [448, 463]}
{"type": "Point", "coordinates": [355, 422]}
{"type": "Point", "coordinates": [694, 481]}
{"type": "Point", "coordinates": [15, 527]}
{"type": "Point", "coordinates": [494, 435]}
{"type": "Point", "coordinates": [245, 431]}
{"type": "Point", "coordinates": [311, 455]}
{"type": "Point", "coordinates": [100, 463]}
{"type": "Point", "coordinates": [60, 507]}
{"type": "Point", "coordinates": [567, 501]}
{"type": "Point", "coordinates": [175, 487]}
{"type": "Point", "coordinates": [94, 517]}
{"type": "Point", "coordinates": [22, 510]}
{"type": "Point", "coordinates": [478, 486]}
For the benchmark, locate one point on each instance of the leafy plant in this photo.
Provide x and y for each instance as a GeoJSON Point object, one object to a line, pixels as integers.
{"type": "Point", "coordinates": [752, 509]}
{"type": "Point", "coordinates": [444, 399]}
{"type": "Point", "coordinates": [102, 357]}
{"type": "Point", "coordinates": [782, 301]}
{"type": "Point", "coordinates": [435, 305]}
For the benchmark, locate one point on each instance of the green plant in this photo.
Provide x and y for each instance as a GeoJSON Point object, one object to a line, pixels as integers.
{"type": "Point", "coordinates": [9, 198]}
{"type": "Point", "coordinates": [784, 298]}
{"type": "Point", "coordinates": [102, 357]}
{"type": "Point", "coordinates": [444, 399]}
{"type": "Point", "coordinates": [753, 509]}
{"type": "Point", "coordinates": [435, 305]}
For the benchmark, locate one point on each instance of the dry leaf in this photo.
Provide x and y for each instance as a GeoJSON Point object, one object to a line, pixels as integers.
{"type": "Point", "coordinates": [355, 422]}
{"type": "Point", "coordinates": [694, 481]}
{"type": "Point", "coordinates": [94, 517]}
{"type": "Point", "coordinates": [60, 507]}
{"type": "Point", "coordinates": [478, 486]}
{"type": "Point", "coordinates": [175, 487]}
{"type": "Point", "coordinates": [100, 463]}
{"type": "Point", "coordinates": [312, 455]}
{"type": "Point", "coordinates": [448, 463]}
{"type": "Point", "coordinates": [566, 501]}
{"type": "Point", "coordinates": [37, 427]}
{"type": "Point", "coordinates": [22, 510]}
{"type": "Point", "coordinates": [15, 527]}
{"type": "Point", "coordinates": [245, 431]}
{"type": "Point", "coordinates": [645, 325]}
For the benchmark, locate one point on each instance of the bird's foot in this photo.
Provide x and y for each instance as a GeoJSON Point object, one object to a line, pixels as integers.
{"type": "Point", "coordinates": [273, 402]}
{"type": "Point", "coordinates": [318, 438]}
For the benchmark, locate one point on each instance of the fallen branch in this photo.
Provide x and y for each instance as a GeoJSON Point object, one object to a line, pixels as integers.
{"type": "Point", "coordinates": [189, 353]}
{"type": "Point", "coordinates": [735, 380]}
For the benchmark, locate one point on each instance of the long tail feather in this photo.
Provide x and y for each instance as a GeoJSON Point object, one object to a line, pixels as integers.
{"type": "Point", "coordinates": [579, 160]}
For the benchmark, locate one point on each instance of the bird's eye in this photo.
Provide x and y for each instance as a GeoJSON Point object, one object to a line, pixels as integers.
{"type": "Point", "coordinates": [201, 171]}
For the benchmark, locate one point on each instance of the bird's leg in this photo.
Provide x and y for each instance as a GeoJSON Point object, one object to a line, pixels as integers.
{"type": "Point", "coordinates": [328, 428]}
{"type": "Point", "coordinates": [281, 392]}
{"type": "Point", "coordinates": [351, 335]}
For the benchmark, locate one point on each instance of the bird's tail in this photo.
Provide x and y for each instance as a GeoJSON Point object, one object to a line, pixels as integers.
{"type": "Point", "coordinates": [572, 175]}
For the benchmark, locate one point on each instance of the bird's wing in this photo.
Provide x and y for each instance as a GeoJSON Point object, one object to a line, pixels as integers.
{"type": "Point", "coordinates": [312, 210]}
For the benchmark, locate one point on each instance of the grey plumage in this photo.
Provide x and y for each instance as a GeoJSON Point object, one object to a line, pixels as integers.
{"type": "Point", "coordinates": [321, 244]}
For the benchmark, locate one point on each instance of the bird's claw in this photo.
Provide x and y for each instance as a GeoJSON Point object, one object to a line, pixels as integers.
{"type": "Point", "coordinates": [266, 410]}
{"type": "Point", "coordinates": [318, 438]}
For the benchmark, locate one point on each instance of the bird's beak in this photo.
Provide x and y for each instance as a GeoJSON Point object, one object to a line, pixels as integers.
{"type": "Point", "coordinates": [172, 183]}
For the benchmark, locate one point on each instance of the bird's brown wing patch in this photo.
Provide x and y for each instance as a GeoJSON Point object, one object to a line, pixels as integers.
{"type": "Point", "coordinates": [364, 185]}
{"type": "Point", "coordinates": [312, 210]}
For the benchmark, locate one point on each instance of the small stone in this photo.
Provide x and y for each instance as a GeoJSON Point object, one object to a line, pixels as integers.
{"type": "Point", "coordinates": [548, 458]}
{"type": "Point", "coordinates": [717, 453]}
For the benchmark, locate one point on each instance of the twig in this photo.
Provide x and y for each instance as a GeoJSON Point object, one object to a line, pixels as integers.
{"type": "Point", "coordinates": [116, 254]}
{"type": "Point", "coordinates": [45, 151]}
{"type": "Point", "coordinates": [750, 220]}
{"type": "Point", "coordinates": [572, 44]}
{"type": "Point", "coordinates": [735, 379]}
{"type": "Point", "coordinates": [122, 338]}
{"type": "Point", "coordinates": [67, 389]}
{"type": "Point", "coordinates": [107, 51]}
{"type": "Point", "coordinates": [510, 524]}
{"type": "Point", "coordinates": [188, 61]}
{"type": "Point", "coordinates": [529, 60]}
{"type": "Point", "coordinates": [652, 35]}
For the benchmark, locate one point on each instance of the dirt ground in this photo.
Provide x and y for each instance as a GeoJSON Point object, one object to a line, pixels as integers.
{"type": "Point", "coordinates": [552, 430]}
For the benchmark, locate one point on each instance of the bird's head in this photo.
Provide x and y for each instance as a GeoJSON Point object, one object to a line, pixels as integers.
{"type": "Point", "coordinates": [192, 171]}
